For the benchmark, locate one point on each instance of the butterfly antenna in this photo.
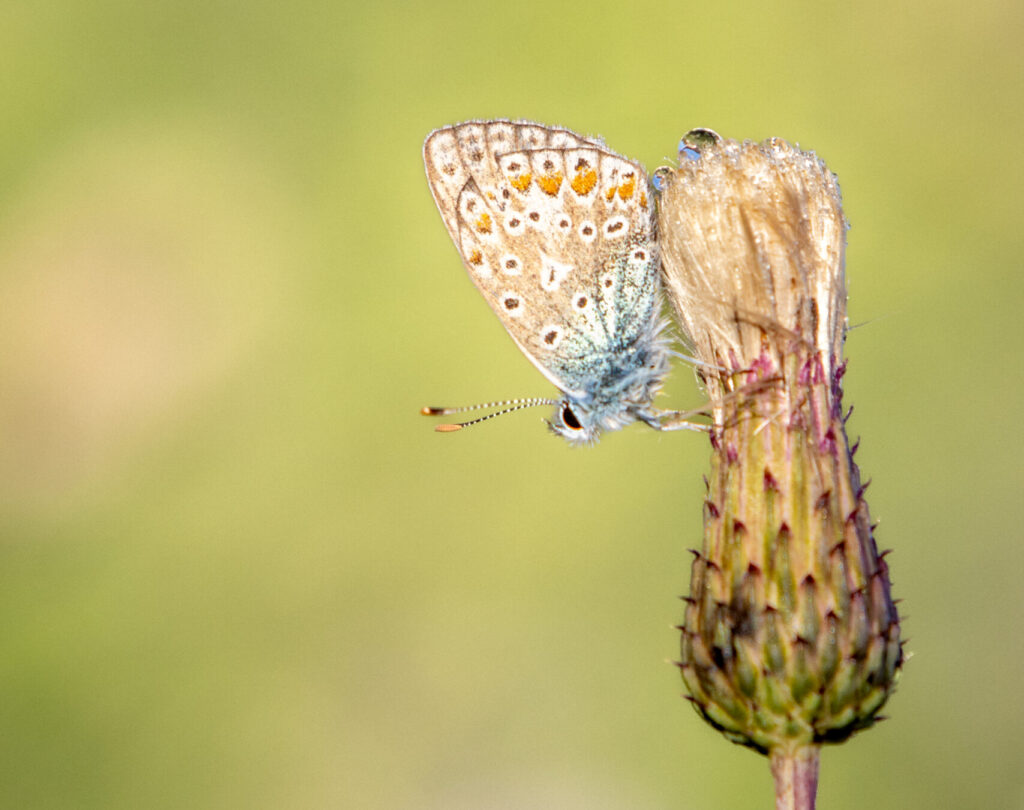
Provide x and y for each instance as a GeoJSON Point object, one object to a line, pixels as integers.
{"type": "Point", "coordinates": [507, 406]}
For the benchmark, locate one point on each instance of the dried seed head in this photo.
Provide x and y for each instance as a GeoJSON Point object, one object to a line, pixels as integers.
{"type": "Point", "coordinates": [790, 637]}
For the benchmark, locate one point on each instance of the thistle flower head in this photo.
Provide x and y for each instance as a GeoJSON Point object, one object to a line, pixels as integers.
{"type": "Point", "coordinates": [790, 637]}
{"type": "Point", "coordinates": [754, 238]}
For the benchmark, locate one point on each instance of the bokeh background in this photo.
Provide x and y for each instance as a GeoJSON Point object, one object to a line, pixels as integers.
{"type": "Point", "coordinates": [239, 570]}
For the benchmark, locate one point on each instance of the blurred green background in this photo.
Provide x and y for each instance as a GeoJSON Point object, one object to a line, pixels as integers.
{"type": "Point", "coordinates": [239, 570]}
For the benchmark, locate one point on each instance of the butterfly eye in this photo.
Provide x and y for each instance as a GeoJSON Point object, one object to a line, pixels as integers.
{"type": "Point", "coordinates": [569, 419]}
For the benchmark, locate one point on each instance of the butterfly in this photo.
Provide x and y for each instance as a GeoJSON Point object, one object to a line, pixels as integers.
{"type": "Point", "coordinates": [558, 234]}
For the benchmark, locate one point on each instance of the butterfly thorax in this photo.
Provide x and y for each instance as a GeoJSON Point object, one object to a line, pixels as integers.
{"type": "Point", "coordinates": [622, 394]}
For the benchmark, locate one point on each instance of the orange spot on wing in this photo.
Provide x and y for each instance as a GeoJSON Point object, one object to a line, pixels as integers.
{"type": "Point", "coordinates": [626, 189]}
{"type": "Point", "coordinates": [550, 183]}
{"type": "Point", "coordinates": [584, 182]}
{"type": "Point", "coordinates": [483, 223]}
{"type": "Point", "coordinates": [476, 257]}
{"type": "Point", "coordinates": [643, 199]}
{"type": "Point", "coordinates": [609, 195]}
{"type": "Point", "coordinates": [521, 182]}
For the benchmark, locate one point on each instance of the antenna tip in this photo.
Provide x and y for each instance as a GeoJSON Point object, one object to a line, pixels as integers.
{"type": "Point", "coordinates": [428, 411]}
{"type": "Point", "coordinates": [447, 428]}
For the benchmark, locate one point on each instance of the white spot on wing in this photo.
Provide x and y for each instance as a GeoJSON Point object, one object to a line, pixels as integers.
{"type": "Point", "coordinates": [551, 335]}
{"type": "Point", "coordinates": [552, 273]}
{"type": "Point", "coordinates": [511, 304]}
{"type": "Point", "coordinates": [514, 224]}
{"type": "Point", "coordinates": [510, 265]}
{"type": "Point", "coordinates": [615, 228]}
{"type": "Point", "coordinates": [587, 231]}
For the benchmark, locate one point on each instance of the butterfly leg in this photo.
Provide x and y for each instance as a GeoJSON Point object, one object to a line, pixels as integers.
{"type": "Point", "coordinates": [676, 420]}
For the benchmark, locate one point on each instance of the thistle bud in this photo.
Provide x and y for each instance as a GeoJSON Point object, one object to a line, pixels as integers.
{"type": "Point", "coordinates": [790, 637]}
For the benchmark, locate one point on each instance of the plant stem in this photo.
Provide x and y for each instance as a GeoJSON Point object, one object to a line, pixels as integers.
{"type": "Point", "coordinates": [796, 777]}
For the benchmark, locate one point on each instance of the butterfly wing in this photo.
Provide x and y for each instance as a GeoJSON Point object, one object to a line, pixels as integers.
{"type": "Point", "coordinates": [556, 232]}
